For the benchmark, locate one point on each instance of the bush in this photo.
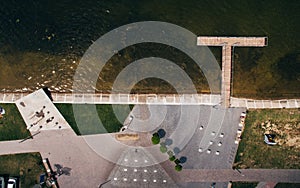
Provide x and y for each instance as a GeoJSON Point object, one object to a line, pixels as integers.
{"type": "Point", "coordinates": [170, 153]}
{"type": "Point", "coordinates": [172, 158]}
{"type": "Point", "coordinates": [155, 139]}
{"type": "Point", "coordinates": [178, 168]}
{"type": "Point", "coordinates": [163, 148]}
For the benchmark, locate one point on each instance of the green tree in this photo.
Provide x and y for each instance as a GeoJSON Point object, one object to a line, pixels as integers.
{"type": "Point", "coordinates": [163, 148]}
{"type": "Point", "coordinates": [172, 158]}
{"type": "Point", "coordinates": [155, 139]}
{"type": "Point", "coordinates": [170, 153]}
{"type": "Point", "coordinates": [178, 167]}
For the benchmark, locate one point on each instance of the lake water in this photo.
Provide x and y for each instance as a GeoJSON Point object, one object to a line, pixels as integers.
{"type": "Point", "coordinates": [41, 42]}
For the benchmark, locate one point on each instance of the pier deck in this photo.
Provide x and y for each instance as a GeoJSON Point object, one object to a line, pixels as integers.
{"type": "Point", "coordinates": [227, 44]}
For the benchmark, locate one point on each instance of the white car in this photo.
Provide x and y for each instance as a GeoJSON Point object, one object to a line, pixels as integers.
{"type": "Point", "coordinates": [12, 183]}
{"type": "Point", "coordinates": [243, 115]}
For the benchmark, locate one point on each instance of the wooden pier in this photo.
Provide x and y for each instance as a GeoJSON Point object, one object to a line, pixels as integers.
{"type": "Point", "coordinates": [227, 44]}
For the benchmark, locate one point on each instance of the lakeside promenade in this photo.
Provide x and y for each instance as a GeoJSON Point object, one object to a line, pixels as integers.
{"type": "Point", "coordinates": [157, 99]}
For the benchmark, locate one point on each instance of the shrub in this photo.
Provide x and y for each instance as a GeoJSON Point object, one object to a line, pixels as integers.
{"type": "Point", "coordinates": [170, 153]}
{"type": "Point", "coordinates": [163, 148]}
{"type": "Point", "coordinates": [178, 168]}
{"type": "Point", "coordinates": [172, 158]}
{"type": "Point", "coordinates": [155, 139]}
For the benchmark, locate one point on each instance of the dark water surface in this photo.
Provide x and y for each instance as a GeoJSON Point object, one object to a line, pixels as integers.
{"type": "Point", "coordinates": [41, 42]}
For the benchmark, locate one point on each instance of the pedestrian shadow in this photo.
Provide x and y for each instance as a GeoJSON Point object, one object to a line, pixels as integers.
{"type": "Point", "coordinates": [60, 170]}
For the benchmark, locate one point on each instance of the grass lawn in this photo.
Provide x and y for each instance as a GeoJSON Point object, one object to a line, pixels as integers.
{"type": "Point", "coordinates": [244, 184]}
{"type": "Point", "coordinates": [254, 153]}
{"type": "Point", "coordinates": [27, 166]}
{"type": "Point", "coordinates": [105, 113]}
{"type": "Point", "coordinates": [12, 126]}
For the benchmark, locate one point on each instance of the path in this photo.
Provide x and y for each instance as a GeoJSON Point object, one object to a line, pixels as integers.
{"type": "Point", "coordinates": [250, 175]}
{"type": "Point", "coordinates": [159, 99]}
{"type": "Point", "coordinates": [79, 153]}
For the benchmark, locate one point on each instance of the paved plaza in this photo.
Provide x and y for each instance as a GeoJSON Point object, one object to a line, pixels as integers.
{"type": "Point", "coordinates": [205, 135]}
{"type": "Point", "coordinates": [127, 174]}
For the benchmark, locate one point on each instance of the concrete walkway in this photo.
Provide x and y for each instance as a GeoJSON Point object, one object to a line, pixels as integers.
{"type": "Point", "coordinates": [246, 175]}
{"type": "Point", "coordinates": [89, 168]}
{"type": "Point", "coordinates": [158, 99]}
{"type": "Point", "coordinates": [258, 104]}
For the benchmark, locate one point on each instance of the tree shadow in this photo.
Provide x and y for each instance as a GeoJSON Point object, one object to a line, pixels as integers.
{"type": "Point", "coordinates": [161, 133]}
{"type": "Point", "coordinates": [183, 159]}
{"type": "Point", "coordinates": [168, 142]}
{"type": "Point", "coordinates": [176, 150]}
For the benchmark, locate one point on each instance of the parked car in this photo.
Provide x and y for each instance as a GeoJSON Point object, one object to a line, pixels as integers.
{"type": "Point", "coordinates": [12, 183]}
{"type": "Point", "coordinates": [243, 115]}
